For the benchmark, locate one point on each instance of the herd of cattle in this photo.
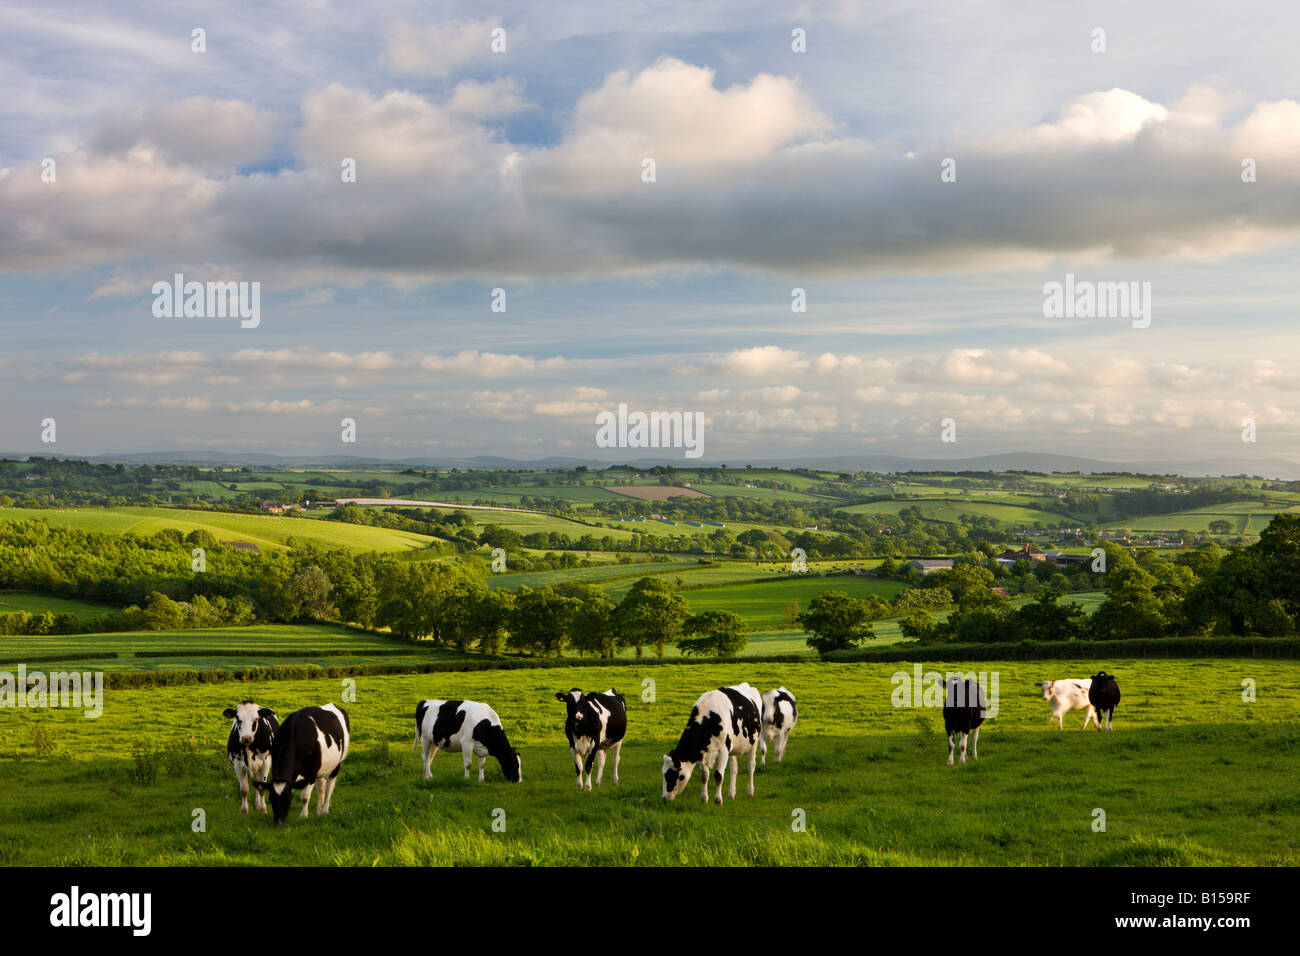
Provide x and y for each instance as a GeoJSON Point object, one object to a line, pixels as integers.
{"type": "Point", "coordinates": [307, 750]}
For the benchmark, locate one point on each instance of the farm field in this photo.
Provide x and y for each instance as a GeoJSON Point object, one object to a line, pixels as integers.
{"type": "Point", "coordinates": [42, 603]}
{"type": "Point", "coordinates": [266, 531]}
{"type": "Point", "coordinates": [1191, 776]}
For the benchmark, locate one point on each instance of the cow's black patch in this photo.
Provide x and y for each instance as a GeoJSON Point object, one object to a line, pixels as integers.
{"type": "Point", "coordinates": [449, 720]}
{"type": "Point", "coordinates": [778, 715]}
{"type": "Point", "coordinates": [296, 753]}
{"type": "Point", "coordinates": [963, 706]}
{"type": "Point", "coordinates": [493, 739]}
{"type": "Point", "coordinates": [695, 738]}
{"type": "Point", "coordinates": [745, 717]}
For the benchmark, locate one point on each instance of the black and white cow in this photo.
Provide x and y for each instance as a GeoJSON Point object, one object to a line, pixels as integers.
{"type": "Point", "coordinates": [467, 726]}
{"type": "Point", "coordinates": [963, 712]}
{"type": "Point", "coordinates": [595, 724]}
{"type": "Point", "coordinates": [1103, 694]}
{"type": "Point", "coordinates": [724, 723]}
{"type": "Point", "coordinates": [779, 717]}
{"type": "Point", "coordinates": [248, 748]}
{"type": "Point", "coordinates": [308, 751]}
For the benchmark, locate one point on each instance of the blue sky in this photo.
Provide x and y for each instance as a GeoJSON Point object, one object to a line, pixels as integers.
{"type": "Point", "coordinates": [775, 170]}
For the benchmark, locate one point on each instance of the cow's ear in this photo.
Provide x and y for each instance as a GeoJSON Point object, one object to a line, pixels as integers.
{"type": "Point", "coordinates": [559, 696]}
{"type": "Point", "coordinates": [260, 784]}
{"type": "Point", "coordinates": [229, 712]}
{"type": "Point", "coordinates": [265, 712]}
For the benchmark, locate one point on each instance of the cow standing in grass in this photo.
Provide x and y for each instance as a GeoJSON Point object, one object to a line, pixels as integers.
{"type": "Point", "coordinates": [724, 723]}
{"type": "Point", "coordinates": [1068, 695]}
{"type": "Point", "coordinates": [308, 752]}
{"type": "Point", "coordinates": [595, 724]}
{"type": "Point", "coordinates": [1103, 694]}
{"type": "Point", "coordinates": [779, 716]}
{"type": "Point", "coordinates": [963, 712]}
{"type": "Point", "coordinates": [467, 726]}
{"type": "Point", "coordinates": [248, 748]}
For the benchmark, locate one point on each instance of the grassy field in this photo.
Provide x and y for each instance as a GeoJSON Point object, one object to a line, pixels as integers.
{"type": "Point", "coordinates": [266, 531]}
{"type": "Point", "coordinates": [1191, 776]}
{"type": "Point", "coordinates": [42, 603]}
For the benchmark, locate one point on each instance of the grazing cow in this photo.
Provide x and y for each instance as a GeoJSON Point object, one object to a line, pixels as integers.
{"type": "Point", "coordinates": [724, 723]}
{"type": "Point", "coordinates": [1067, 695]}
{"type": "Point", "coordinates": [1104, 697]}
{"type": "Point", "coordinates": [963, 712]}
{"type": "Point", "coordinates": [307, 752]}
{"type": "Point", "coordinates": [467, 726]}
{"type": "Point", "coordinates": [595, 724]}
{"type": "Point", "coordinates": [248, 748]}
{"type": "Point", "coordinates": [779, 716]}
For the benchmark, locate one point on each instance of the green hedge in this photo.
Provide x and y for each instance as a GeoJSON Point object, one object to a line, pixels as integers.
{"type": "Point", "coordinates": [33, 659]}
{"type": "Point", "coordinates": [1098, 650]}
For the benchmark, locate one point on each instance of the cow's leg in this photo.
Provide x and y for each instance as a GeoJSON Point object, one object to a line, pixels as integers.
{"type": "Point", "coordinates": [706, 770]}
{"type": "Point", "coordinates": [734, 762]}
{"type": "Point", "coordinates": [482, 762]}
{"type": "Point", "coordinates": [753, 764]}
{"type": "Point", "coordinates": [762, 744]}
{"type": "Point", "coordinates": [588, 764]}
{"type": "Point", "coordinates": [600, 767]}
{"type": "Point", "coordinates": [1090, 715]}
{"type": "Point", "coordinates": [780, 745]}
{"type": "Point", "coordinates": [722, 773]}
{"type": "Point", "coordinates": [259, 798]}
{"type": "Point", "coordinates": [427, 753]}
{"type": "Point", "coordinates": [467, 752]}
{"type": "Point", "coordinates": [306, 799]}
{"type": "Point", "coordinates": [243, 774]}
{"type": "Point", "coordinates": [328, 788]}
{"type": "Point", "coordinates": [616, 751]}
{"type": "Point", "coordinates": [577, 762]}
{"type": "Point", "coordinates": [964, 735]}
{"type": "Point", "coordinates": [975, 744]}
{"type": "Point", "coordinates": [952, 742]}
{"type": "Point", "coordinates": [322, 796]}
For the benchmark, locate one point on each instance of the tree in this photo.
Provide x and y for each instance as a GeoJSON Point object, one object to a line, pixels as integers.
{"type": "Point", "coordinates": [835, 621]}
{"type": "Point", "coordinates": [1221, 526]}
{"type": "Point", "coordinates": [719, 633]}
{"type": "Point", "coordinates": [308, 594]}
{"type": "Point", "coordinates": [653, 613]}
{"type": "Point", "coordinates": [593, 620]}
{"type": "Point", "coordinates": [542, 621]}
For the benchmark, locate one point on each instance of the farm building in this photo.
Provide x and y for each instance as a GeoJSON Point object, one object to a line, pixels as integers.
{"type": "Point", "coordinates": [929, 565]}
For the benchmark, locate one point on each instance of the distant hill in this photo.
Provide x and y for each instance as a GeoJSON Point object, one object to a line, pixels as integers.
{"type": "Point", "coordinates": [1275, 468]}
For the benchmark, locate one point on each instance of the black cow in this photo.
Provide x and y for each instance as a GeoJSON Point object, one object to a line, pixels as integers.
{"type": "Point", "coordinates": [308, 750]}
{"type": "Point", "coordinates": [595, 724]}
{"type": "Point", "coordinates": [1104, 697]}
{"type": "Point", "coordinates": [248, 748]}
{"type": "Point", "coordinates": [963, 712]}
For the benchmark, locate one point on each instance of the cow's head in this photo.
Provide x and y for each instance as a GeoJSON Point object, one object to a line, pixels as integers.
{"type": "Point", "coordinates": [1047, 689]}
{"type": "Point", "coordinates": [572, 702]}
{"type": "Point", "coordinates": [512, 765]}
{"type": "Point", "coordinates": [247, 718]}
{"type": "Point", "coordinates": [676, 775]}
{"type": "Point", "coordinates": [279, 794]}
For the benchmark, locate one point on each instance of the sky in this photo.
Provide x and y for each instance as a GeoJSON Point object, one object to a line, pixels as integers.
{"type": "Point", "coordinates": [916, 175]}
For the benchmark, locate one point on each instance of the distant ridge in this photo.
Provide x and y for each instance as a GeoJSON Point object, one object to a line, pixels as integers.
{"type": "Point", "coordinates": [1273, 468]}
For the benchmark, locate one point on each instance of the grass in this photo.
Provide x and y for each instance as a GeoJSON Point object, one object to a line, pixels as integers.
{"type": "Point", "coordinates": [1192, 776]}
{"type": "Point", "coordinates": [42, 603]}
{"type": "Point", "coordinates": [266, 531]}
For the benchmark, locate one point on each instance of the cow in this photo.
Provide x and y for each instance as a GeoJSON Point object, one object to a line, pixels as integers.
{"type": "Point", "coordinates": [595, 724]}
{"type": "Point", "coordinates": [1067, 695]}
{"type": "Point", "coordinates": [467, 726]}
{"type": "Point", "coordinates": [779, 716]}
{"type": "Point", "coordinates": [1103, 694]}
{"type": "Point", "coordinates": [248, 748]}
{"type": "Point", "coordinates": [724, 723]}
{"type": "Point", "coordinates": [963, 712]}
{"type": "Point", "coordinates": [308, 751]}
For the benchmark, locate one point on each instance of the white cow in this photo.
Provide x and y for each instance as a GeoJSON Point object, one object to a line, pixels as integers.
{"type": "Point", "coordinates": [470, 727]}
{"type": "Point", "coordinates": [1067, 695]}
{"type": "Point", "coordinates": [724, 724]}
